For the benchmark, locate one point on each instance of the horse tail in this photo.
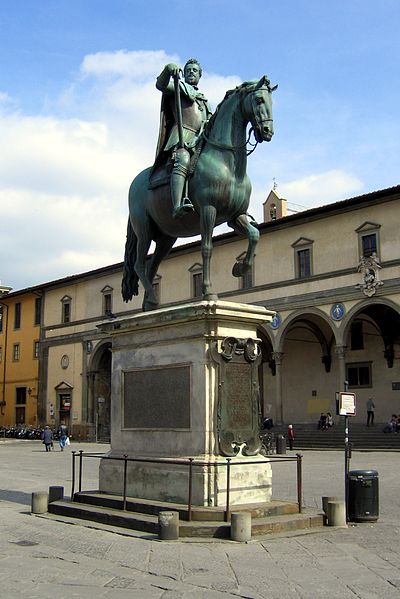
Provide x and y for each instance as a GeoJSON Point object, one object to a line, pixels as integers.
{"type": "Point", "coordinates": [130, 280]}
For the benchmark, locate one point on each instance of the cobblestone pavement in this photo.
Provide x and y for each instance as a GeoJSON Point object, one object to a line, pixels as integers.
{"type": "Point", "coordinates": [44, 557]}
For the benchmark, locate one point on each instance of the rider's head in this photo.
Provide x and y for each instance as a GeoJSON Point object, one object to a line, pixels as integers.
{"type": "Point", "coordinates": [192, 71]}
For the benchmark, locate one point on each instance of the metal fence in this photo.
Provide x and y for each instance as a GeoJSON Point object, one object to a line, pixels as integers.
{"type": "Point", "coordinates": [191, 463]}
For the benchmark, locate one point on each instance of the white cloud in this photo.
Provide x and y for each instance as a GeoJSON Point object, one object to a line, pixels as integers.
{"type": "Point", "coordinates": [320, 189]}
{"type": "Point", "coordinates": [64, 176]}
{"type": "Point", "coordinates": [122, 63]}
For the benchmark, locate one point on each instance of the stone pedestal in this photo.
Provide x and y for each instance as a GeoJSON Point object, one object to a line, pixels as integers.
{"type": "Point", "coordinates": [184, 385]}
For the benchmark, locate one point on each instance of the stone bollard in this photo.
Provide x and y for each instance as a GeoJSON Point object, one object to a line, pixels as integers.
{"type": "Point", "coordinates": [325, 500]}
{"type": "Point", "coordinates": [40, 501]}
{"type": "Point", "coordinates": [336, 513]}
{"type": "Point", "coordinates": [241, 526]}
{"type": "Point", "coordinates": [56, 493]}
{"type": "Point", "coordinates": [168, 523]}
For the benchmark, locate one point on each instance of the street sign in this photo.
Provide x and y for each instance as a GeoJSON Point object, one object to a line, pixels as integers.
{"type": "Point", "coordinates": [347, 404]}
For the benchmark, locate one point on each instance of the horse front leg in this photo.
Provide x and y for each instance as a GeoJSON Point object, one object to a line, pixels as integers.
{"type": "Point", "coordinates": [242, 226]}
{"type": "Point", "coordinates": [207, 222]}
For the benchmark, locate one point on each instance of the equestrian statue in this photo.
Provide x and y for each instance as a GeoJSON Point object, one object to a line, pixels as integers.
{"type": "Point", "coordinates": [198, 179]}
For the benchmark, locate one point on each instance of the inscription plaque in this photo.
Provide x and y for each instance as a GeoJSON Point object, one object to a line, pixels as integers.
{"type": "Point", "coordinates": [238, 397]}
{"type": "Point", "coordinates": [238, 384]}
{"type": "Point", "coordinates": [157, 397]}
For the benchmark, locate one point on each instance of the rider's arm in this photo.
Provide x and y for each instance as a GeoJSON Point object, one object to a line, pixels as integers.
{"type": "Point", "coordinates": [164, 83]}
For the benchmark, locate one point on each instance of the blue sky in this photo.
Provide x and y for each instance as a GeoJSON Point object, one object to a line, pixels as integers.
{"type": "Point", "coordinates": [79, 110]}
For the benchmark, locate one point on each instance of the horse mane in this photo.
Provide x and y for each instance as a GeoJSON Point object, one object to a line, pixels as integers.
{"type": "Point", "coordinates": [239, 89]}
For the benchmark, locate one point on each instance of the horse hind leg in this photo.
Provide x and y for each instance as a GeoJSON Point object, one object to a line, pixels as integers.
{"type": "Point", "coordinates": [144, 239]}
{"type": "Point", "coordinates": [164, 244]}
{"type": "Point", "coordinates": [242, 226]}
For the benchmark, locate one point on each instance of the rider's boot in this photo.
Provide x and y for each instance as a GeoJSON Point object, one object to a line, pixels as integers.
{"type": "Point", "coordinates": [181, 205]}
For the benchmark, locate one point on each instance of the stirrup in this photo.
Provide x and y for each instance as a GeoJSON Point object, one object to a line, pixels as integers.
{"type": "Point", "coordinates": [186, 203]}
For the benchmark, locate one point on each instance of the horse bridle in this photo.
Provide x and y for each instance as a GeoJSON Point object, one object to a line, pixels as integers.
{"type": "Point", "coordinates": [251, 130]}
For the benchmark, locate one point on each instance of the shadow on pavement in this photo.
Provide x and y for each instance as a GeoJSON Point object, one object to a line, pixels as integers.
{"type": "Point", "coordinates": [16, 496]}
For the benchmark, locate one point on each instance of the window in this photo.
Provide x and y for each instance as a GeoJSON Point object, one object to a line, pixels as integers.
{"type": "Point", "coordinates": [303, 258]}
{"type": "Point", "coordinates": [356, 335]}
{"type": "Point", "coordinates": [16, 352]}
{"type": "Point", "coordinates": [245, 281]}
{"type": "Point", "coordinates": [197, 280]}
{"type": "Point", "coordinates": [368, 239]}
{"type": "Point", "coordinates": [107, 292]}
{"type": "Point", "coordinates": [303, 263]}
{"type": "Point", "coordinates": [36, 350]}
{"type": "Point", "coordinates": [66, 309]}
{"type": "Point", "coordinates": [38, 310]}
{"type": "Point", "coordinates": [369, 245]}
{"type": "Point", "coordinates": [20, 398]}
{"type": "Point", "coordinates": [359, 374]}
{"type": "Point", "coordinates": [17, 316]}
{"type": "Point", "coordinates": [197, 283]}
{"type": "Point", "coordinates": [157, 288]}
{"type": "Point", "coordinates": [1, 318]}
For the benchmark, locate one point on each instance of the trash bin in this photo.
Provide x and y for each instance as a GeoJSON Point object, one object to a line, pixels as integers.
{"type": "Point", "coordinates": [280, 444]}
{"type": "Point", "coordinates": [363, 496]}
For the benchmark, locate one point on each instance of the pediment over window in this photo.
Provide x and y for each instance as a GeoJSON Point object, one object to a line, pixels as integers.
{"type": "Point", "coordinates": [63, 386]}
{"type": "Point", "coordinates": [302, 241]}
{"type": "Point", "coordinates": [107, 289]}
{"type": "Point", "coordinates": [367, 226]}
{"type": "Point", "coordinates": [197, 267]}
{"type": "Point", "coordinates": [66, 298]}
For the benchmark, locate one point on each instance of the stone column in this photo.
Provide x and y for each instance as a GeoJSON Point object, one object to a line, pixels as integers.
{"type": "Point", "coordinates": [278, 357]}
{"type": "Point", "coordinates": [340, 351]}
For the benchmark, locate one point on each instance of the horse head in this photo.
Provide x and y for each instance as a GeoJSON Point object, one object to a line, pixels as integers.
{"type": "Point", "coordinates": [257, 108]}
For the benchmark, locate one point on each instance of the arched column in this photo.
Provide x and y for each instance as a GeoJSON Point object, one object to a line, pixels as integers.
{"type": "Point", "coordinates": [340, 351]}
{"type": "Point", "coordinates": [278, 357]}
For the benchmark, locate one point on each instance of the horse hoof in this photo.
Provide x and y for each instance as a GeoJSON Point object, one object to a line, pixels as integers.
{"type": "Point", "coordinates": [210, 297]}
{"type": "Point", "coordinates": [239, 269]}
{"type": "Point", "coordinates": [148, 306]}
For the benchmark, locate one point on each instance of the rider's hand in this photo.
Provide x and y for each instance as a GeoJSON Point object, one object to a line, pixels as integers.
{"type": "Point", "coordinates": [173, 69]}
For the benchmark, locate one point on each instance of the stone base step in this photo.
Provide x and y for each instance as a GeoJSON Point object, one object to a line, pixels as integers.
{"type": "Point", "coordinates": [199, 513]}
{"type": "Point", "coordinates": [276, 517]}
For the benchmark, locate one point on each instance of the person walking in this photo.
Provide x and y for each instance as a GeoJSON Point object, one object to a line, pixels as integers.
{"type": "Point", "coordinates": [370, 411]}
{"type": "Point", "coordinates": [291, 435]}
{"type": "Point", "coordinates": [62, 436]}
{"type": "Point", "coordinates": [47, 438]}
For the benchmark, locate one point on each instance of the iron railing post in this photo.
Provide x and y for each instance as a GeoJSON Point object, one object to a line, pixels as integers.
{"type": "Point", "coordinates": [73, 476]}
{"type": "Point", "coordinates": [190, 498]}
{"type": "Point", "coordinates": [124, 484]}
{"type": "Point", "coordinates": [299, 481]}
{"type": "Point", "coordinates": [80, 469]}
{"type": "Point", "coordinates": [228, 489]}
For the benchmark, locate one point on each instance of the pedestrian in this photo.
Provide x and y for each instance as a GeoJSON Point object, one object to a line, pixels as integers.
{"type": "Point", "coordinates": [62, 435]}
{"type": "Point", "coordinates": [370, 411]}
{"type": "Point", "coordinates": [47, 438]}
{"type": "Point", "coordinates": [291, 435]}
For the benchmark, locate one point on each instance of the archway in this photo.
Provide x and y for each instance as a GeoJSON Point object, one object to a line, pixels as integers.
{"type": "Point", "coordinates": [372, 339]}
{"type": "Point", "coordinates": [303, 374]}
{"type": "Point", "coordinates": [100, 392]}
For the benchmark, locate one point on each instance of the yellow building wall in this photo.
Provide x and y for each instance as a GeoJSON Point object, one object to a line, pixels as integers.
{"type": "Point", "coordinates": [23, 372]}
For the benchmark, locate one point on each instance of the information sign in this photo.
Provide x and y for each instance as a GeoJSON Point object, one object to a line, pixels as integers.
{"type": "Point", "coordinates": [347, 404]}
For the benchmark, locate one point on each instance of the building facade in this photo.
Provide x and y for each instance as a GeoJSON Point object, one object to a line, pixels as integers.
{"type": "Point", "coordinates": [20, 321]}
{"type": "Point", "coordinates": [332, 274]}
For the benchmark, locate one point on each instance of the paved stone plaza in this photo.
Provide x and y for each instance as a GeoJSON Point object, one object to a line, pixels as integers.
{"type": "Point", "coordinates": [43, 557]}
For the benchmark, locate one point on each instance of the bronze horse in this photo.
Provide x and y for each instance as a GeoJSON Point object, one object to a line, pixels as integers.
{"type": "Point", "coordinates": [219, 190]}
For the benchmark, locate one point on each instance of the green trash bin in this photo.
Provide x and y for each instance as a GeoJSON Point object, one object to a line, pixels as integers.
{"type": "Point", "coordinates": [280, 444]}
{"type": "Point", "coordinates": [363, 499]}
